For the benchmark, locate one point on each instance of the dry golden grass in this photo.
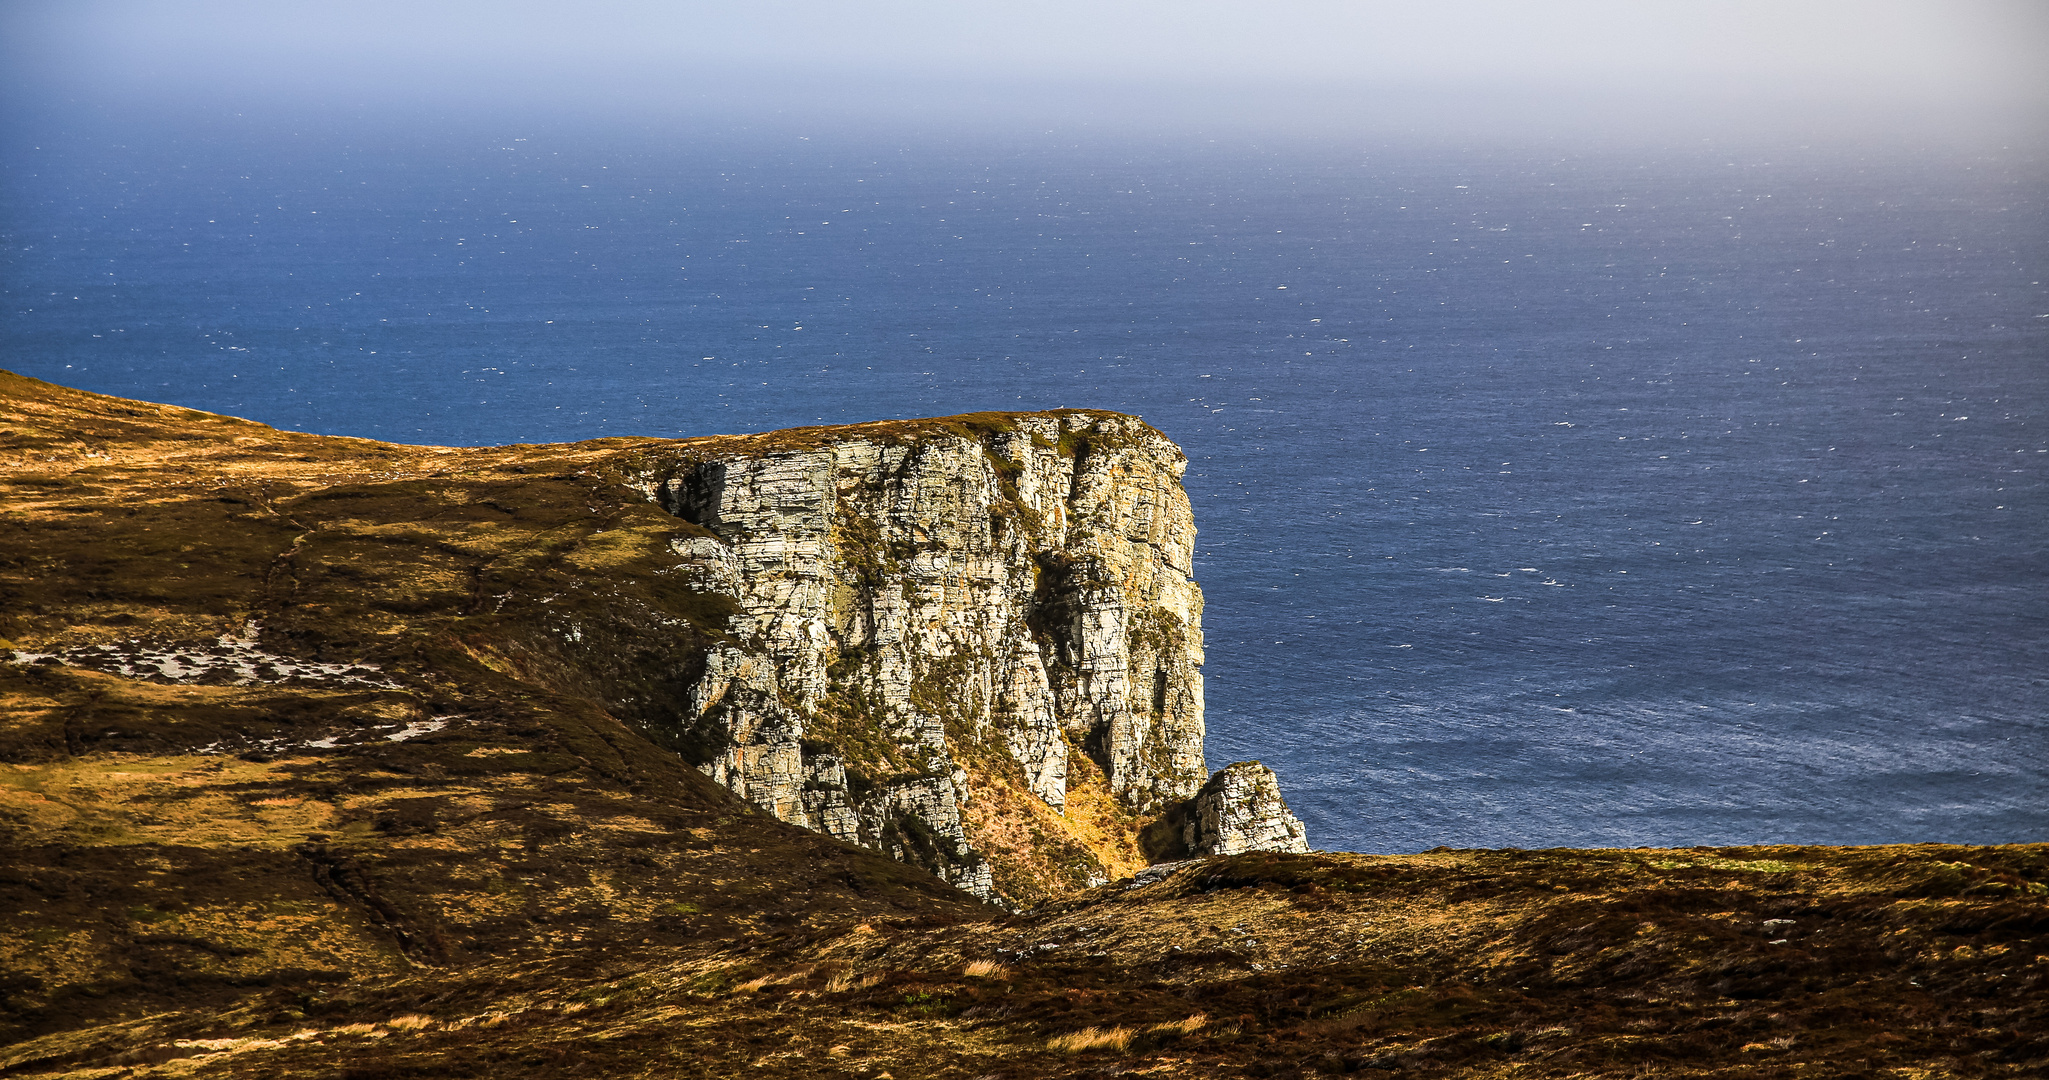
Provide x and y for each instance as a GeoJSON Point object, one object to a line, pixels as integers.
{"type": "Point", "coordinates": [1193, 1023]}
{"type": "Point", "coordinates": [410, 1022]}
{"type": "Point", "coordinates": [1091, 1038]}
{"type": "Point", "coordinates": [846, 980]}
{"type": "Point", "coordinates": [89, 801]}
{"type": "Point", "coordinates": [986, 969]}
{"type": "Point", "coordinates": [1036, 843]}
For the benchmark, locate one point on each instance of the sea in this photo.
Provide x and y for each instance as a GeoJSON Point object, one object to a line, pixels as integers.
{"type": "Point", "coordinates": [1547, 496]}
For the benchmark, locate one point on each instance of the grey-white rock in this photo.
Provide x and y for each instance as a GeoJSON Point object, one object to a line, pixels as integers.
{"type": "Point", "coordinates": [1240, 809]}
{"type": "Point", "coordinates": [910, 593]}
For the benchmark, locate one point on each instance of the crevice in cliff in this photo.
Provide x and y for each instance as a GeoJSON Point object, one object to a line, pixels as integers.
{"type": "Point", "coordinates": [1054, 608]}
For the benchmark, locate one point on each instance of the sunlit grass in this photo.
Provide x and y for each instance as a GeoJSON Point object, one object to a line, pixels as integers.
{"type": "Point", "coordinates": [1091, 1038]}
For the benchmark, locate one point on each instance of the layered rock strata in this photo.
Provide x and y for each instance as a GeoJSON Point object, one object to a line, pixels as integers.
{"type": "Point", "coordinates": [1003, 595]}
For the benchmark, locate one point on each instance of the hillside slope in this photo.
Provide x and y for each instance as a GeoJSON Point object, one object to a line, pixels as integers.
{"type": "Point", "coordinates": [972, 643]}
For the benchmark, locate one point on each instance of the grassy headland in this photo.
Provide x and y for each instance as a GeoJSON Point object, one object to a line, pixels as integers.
{"type": "Point", "coordinates": [299, 782]}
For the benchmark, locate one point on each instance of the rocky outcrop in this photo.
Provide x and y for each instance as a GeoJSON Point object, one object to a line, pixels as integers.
{"type": "Point", "coordinates": [1240, 809]}
{"type": "Point", "coordinates": [929, 608]}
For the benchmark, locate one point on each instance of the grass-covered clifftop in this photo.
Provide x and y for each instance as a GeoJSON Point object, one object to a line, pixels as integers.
{"type": "Point", "coordinates": [184, 547]}
{"type": "Point", "coordinates": [302, 780]}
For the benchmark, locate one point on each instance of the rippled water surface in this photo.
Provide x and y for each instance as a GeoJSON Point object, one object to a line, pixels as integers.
{"type": "Point", "coordinates": [1545, 499]}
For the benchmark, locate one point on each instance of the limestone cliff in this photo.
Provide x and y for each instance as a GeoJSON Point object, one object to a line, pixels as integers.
{"type": "Point", "coordinates": [929, 614]}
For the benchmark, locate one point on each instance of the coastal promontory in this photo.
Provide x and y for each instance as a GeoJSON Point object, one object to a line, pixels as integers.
{"type": "Point", "coordinates": [872, 750]}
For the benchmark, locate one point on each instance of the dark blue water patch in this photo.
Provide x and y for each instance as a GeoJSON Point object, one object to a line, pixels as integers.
{"type": "Point", "coordinates": [1544, 499]}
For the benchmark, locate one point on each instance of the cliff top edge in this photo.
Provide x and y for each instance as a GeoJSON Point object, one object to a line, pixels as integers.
{"type": "Point", "coordinates": [51, 422]}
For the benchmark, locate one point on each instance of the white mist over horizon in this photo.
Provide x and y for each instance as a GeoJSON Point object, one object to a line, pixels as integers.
{"type": "Point", "coordinates": [1593, 72]}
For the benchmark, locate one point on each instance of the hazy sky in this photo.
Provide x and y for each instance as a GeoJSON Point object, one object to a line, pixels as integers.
{"type": "Point", "coordinates": [1788, 64]}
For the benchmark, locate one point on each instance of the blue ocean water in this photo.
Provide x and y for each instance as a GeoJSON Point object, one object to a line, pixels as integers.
{"type": "Point", "coordinates": [1546, 498]}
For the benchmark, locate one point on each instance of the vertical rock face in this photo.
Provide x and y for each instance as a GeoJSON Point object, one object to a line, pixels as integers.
{"type": "Point", "coordinates": [1241, 809]}
{"type": "Point", "coordinates": [933, 609]}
